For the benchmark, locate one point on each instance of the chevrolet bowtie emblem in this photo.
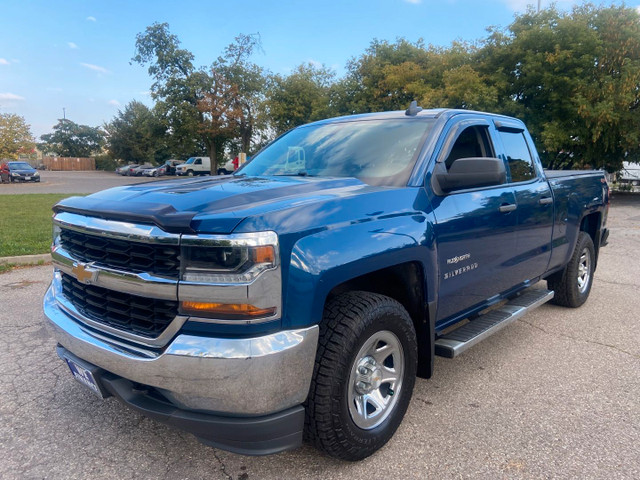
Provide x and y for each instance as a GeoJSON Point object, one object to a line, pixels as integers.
{"type": "Point", "coordinates": [84, 273]}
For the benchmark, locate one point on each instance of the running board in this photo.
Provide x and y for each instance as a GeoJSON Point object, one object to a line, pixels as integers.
{"type": "Point", "coordinates": [454, 343]}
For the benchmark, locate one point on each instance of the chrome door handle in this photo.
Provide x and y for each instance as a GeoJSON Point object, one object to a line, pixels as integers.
{"type": "Point", "coordinates": [507, 208]}
{"type": "Point", "coordinates": [545, 201]}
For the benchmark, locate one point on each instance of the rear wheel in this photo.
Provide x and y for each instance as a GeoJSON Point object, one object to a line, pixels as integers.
{"type": "Point", "coordinates": [572, 285]}
{"type": "Point", "coordinates": [363, 377]}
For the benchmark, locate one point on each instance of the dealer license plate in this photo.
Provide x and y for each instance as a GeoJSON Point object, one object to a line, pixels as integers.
{"type": "Point", "coordinates": [84, 376]}
{"type": "Point", "coordinates": [27, 178]}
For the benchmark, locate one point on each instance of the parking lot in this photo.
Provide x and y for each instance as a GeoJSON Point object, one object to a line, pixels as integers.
{"type": "Point", "coordinates": [554, 395]}
{"type": "Point", "coordinates": [73, 182]}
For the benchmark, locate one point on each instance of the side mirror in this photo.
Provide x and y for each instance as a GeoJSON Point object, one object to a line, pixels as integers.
{"type": "Point", "coordinates": [472, 173]}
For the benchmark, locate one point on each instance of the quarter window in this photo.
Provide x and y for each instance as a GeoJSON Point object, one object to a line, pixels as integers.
{"type": "Point", "coordinates": [518, 156]}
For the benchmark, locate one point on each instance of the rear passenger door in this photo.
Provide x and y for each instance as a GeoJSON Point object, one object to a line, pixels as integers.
{"type": "Point", "coordinates": [474, 228]}
{"type": "Point", "coordinates": [534, 201]}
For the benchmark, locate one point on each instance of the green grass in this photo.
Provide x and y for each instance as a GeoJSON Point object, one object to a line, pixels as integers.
{"type": "Point", "coordinates": [25, 223]}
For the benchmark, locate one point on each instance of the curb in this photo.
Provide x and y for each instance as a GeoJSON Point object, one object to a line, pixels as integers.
{"type": "Point", "coordinates": [26, 259]}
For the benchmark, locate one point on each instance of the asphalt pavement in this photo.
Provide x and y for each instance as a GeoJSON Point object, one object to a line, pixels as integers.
{"type": "Point", "coordinates": [73, 182]}
{"type": "Point", "coordinates": [554, 395]}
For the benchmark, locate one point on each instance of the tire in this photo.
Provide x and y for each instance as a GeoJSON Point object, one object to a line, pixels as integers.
{"type": "Point", "coordinates": [155, 174]}
{"type": "Point", "coordinates": [347, 380]}
{"type": "Point", "coordinates": [572, 284]}
{"type": "Point", "coordinates": [190, 173]}
{"type": "Point", "coordinates": [222, 171]}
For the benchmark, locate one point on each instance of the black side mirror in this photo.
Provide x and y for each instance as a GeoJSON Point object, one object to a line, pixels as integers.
{"type": "Point", "coordinates": [472, 172]}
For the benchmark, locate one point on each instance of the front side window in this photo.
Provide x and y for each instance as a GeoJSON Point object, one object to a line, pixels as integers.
{"type": "Point", "coordinates": [472, 142]}
{"type": "Point", "coordinates": [378, 152]}
{"type": "Point", "coordinates": [518, 156]}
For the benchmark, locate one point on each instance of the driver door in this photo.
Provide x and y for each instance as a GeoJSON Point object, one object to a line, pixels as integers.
{"type": "Point", "coordinates": [475, 228]}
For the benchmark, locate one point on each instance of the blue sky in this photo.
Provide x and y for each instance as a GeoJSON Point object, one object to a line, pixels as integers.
{"type": "Point", "coordinates": [75, 54]}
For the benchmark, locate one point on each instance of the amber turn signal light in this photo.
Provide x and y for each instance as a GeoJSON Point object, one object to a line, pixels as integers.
{"type": "Point", "coordinates": [229, 311]}
{"type": "Point", "coordinates": [263, 254]}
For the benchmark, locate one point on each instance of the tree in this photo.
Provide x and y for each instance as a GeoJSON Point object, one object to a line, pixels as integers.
{"type": "Point", "coordinates": [15, 136]}
{"type": "Point", "coordinates": [250, 82]}
{"type": "Point", "coordinates": [574, 78]}
{"type": "Point", "coordinates": [299, 98]}
{"type": "Point", "coordinates": [135, 135]}
{"type": "Point", "coordinates": [72, 140]}
{"type": "Point", "coordinates": [214, 105]}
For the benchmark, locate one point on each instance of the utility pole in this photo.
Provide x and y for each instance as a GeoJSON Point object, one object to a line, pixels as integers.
{"type": "Point", "coordinates": [539, 6]}
{"type": "Point", "coordinates": [64, 110]}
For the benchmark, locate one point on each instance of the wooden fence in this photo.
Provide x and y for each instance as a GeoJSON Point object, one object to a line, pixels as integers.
{"type": "Point", "coordinates": [69, 163]}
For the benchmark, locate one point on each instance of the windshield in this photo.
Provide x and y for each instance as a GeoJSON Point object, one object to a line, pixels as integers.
{"type": "Point", "coordinates": [20, 165]}
{"type": "Point", "coordinates": [378, 152]}
{"type": "Point", "coordinates": [191, 160]}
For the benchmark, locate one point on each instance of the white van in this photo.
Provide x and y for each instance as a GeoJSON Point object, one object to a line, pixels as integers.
{"type": "Point", "coordinates": [195, 166]}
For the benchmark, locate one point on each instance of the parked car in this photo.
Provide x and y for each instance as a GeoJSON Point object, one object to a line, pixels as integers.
{"type": "Point", "coordinates": [124, 170]}
{"type": "Point", "coordinates": [227, 168]}
{"type": "Point", "coordinates": [154, 171]}
{"type": "Point", "coordinates": [137, 171]}
{"type": "Point", "coordinates": [195, 166]}
{"type": "Point", "coordinates": [170, 166]}
{"type": "Point", "coordinates": [308, 290]}
{"type": "Point", "coordinates": [22, 172]}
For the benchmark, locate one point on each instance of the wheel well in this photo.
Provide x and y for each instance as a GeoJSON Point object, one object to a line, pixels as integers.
{"type": "Point", "coordinates": [404, 283]}
{"type": "Point", "coordinates": [590, 224]}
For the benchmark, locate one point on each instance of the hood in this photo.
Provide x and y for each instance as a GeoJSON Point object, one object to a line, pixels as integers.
{"type": "Point", "coordinates": [208, 205]}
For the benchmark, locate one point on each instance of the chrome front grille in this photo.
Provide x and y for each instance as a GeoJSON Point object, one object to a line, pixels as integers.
{"type": "Point", "coordinates": [130, 256]}
{"type": "Point", "coordinates": [143, 316]}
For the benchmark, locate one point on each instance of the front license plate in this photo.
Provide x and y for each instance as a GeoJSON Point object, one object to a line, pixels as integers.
{"type": "Point", "coordinates": [27, 178]}
{"type": "Point", "coordinates": [84, 376]}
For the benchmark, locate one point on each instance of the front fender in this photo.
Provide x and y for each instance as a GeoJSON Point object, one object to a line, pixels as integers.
{"type": "Point", "coordinates": [326, 259]}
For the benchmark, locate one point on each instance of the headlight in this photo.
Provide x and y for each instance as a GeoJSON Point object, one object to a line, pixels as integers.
{"type": "Point", "coordinates": [35, 174]}
{"type": "Point", "coordinates": [226, 264]}
{"type": "Point", "coordinates": [230, 278]}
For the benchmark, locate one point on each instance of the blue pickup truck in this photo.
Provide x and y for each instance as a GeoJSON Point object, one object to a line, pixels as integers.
{"type": "Point", "coordinates": [301, 296]}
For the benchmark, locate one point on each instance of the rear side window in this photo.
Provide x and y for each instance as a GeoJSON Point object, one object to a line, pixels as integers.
{"type": "Point", "coordinates": [518, 156]}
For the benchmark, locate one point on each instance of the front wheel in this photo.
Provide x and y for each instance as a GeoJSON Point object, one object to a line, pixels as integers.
{"type": "Point", "coordinates": [572, 285]}
{"type": "Point", "coordinates": [363, 377]}
{"type": "Point", "coordinates": [190, 173]}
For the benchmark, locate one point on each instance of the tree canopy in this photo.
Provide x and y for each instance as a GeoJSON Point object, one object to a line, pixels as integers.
{"type": "Point", "coordinates": [70, 139]}
{"type": "Point", "coordinates": [136, 135]}
{"type": "Point", "coordinates": [15, 136]}
{"type": "Point", "coordinates": [573, 77]}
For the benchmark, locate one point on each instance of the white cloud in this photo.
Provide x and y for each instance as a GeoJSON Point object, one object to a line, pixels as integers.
{"type": "Point", "coordinates": [115, 103]}
{"type": "Point", "coordinates": [145, 93]}
{"type": "Point", "coordinates": [91, 19]}
{"type": "Point", "coordinates": [638, 9]}
{"type": "Point", "coordinates": [4, 61]}
{"type": "Point", "coordinates": [72, 45]}
{"type": "Point", "coordinates": [415, 2]}
{"type": "Point", "coordinates": [95, 68]}
{"type": "Point", "coordinates": [314, 63]}
{"type": "Point", "coordinates": [10, 97]}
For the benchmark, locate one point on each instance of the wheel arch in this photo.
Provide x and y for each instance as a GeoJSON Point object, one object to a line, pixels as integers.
{"type": "Point", "coordinates": [405, 283]}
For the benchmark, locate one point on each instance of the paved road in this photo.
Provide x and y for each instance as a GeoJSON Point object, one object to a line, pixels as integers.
{"type": "Point", "coordinates": [555, 395]}
{"type": "Point", "coordinates": [73, 182]}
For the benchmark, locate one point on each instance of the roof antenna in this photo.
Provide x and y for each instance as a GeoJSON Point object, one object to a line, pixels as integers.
{"type": "Point", "coordinates": [413, 109]}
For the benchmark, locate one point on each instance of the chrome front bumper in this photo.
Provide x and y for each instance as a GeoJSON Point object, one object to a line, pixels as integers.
{"type": "Point", "coordinates": [249, 376]}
